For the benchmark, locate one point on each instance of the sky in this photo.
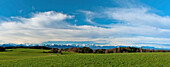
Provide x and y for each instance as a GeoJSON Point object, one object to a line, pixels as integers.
{"type": "Point", "coordinates": [117, 22]}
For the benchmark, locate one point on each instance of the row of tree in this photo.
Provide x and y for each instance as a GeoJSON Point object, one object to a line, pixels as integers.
{"type": "Point", "coordinates": [89, 50]}
{"type": "Point", "coordinates": [2, 48]}
{"type": "Point", "coordinates": [55, 50]}
{"type": "Point", "coordinates": [30, 47]}
{"type": "Point", "coordinates": [114, 50]}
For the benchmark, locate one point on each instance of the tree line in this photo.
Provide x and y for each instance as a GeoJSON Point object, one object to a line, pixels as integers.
{"type": "Point", "coordinates": [114, 50]}
{"type": "Point", "coordinates": [89, 50]}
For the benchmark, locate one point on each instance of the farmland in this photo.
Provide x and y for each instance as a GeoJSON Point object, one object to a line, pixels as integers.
{"type": "Point", "coordinates": [36, 58]}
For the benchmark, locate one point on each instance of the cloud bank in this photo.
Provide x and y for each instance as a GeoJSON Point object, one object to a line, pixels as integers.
{"type": "Point", "coordinates": [136, 26]}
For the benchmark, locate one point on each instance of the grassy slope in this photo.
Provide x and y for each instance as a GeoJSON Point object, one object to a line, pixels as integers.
{"type": "Point", "coordinates": [35, 58]}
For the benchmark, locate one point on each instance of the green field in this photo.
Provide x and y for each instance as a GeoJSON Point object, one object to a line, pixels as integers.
{"type": "Point", "coordinates": [35, 58]}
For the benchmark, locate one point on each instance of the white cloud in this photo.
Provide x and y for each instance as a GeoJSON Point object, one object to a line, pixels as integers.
{"type": "Point", "coordinates": [140, 41]}
{"type": "Point", "coordinates": [38, 21]}
{"type": "Point", "coordinates": [138, 16]}
{"type": "Point", "coordinates": [136, 22]}
{"type": "Point", "coordinates": [139, 26]}
{"type": "Point", "coordinates": [89, 16]}
{"type": "Point", "coordinates": [33, 29]}
{"type": "Point", "coordinates": [129, 3]}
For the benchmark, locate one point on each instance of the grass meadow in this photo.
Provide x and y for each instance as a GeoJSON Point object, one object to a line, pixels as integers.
{"type": "Point", "coordinates": [36, 58]}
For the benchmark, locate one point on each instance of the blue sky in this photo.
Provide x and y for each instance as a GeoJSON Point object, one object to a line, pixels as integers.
{"type": "Point", "coordinates": [116, 22]}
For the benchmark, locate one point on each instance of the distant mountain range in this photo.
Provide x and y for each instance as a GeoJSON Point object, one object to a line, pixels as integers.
{"type": "Point", "coordinates": [68, 44]}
